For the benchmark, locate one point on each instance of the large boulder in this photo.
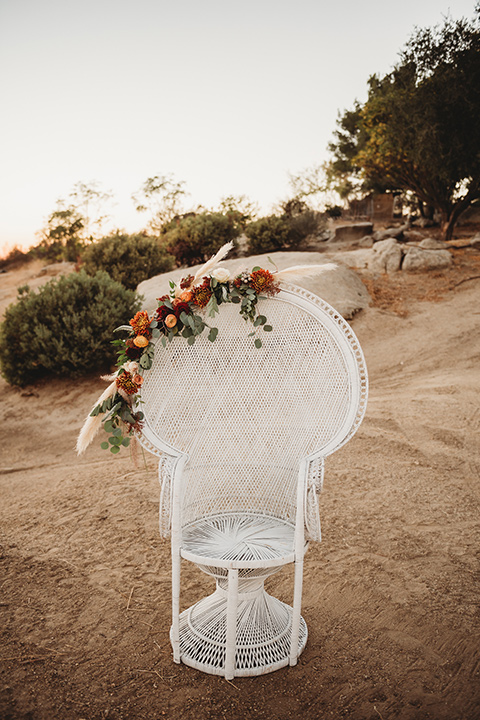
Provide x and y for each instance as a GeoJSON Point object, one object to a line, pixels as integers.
{"type": "Point", "coordinates": [351, 233]}
{"type": "Point", "coordinates": [386, 256]}
{"type": "Point", "coordinates": [341, 287]}
{"type": "Point", "coordinates": [391, 232]}
{"type": "Point", "coordinates": [419, 258]}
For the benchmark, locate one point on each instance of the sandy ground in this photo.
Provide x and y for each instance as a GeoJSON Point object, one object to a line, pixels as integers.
{"type": "Point", "coordinates": [390, 594]}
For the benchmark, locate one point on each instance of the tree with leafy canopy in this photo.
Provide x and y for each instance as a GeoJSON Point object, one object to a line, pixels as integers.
{"type": "Point", "coordinates": [161, 197]}
{"type": "Point", "coordinates": [72, 225]}
{"type": "Point", "coordinates": [419, 129]}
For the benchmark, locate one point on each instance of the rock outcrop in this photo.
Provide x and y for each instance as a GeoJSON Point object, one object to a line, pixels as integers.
{"type": "Point", "coordinates": [341, 287]}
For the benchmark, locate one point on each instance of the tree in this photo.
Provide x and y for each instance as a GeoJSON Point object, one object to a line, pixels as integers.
{"type": "Point", "coordinates": [62, 238]}
{"type": "Point", "coordinates": [161, 196]}
{"type": "Point", "coordinates": [89, 201]}
{"type": "Point", "coordinates": [418, 130]}
{"type": "Point", "coordinates": [72, 225]}
{"type": "Point", "coordinates": [240, 207]}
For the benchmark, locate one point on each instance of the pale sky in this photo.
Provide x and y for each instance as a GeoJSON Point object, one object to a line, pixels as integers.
{"type": "Point", "coordinates": [227, 96]}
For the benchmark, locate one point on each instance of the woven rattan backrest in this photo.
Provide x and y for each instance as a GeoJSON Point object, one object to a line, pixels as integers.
{"type": "Point", "coordinates": [245, 416]}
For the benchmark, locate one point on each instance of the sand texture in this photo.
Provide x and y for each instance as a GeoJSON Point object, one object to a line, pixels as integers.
{"type": "Point", "coordinates": [390, 595]}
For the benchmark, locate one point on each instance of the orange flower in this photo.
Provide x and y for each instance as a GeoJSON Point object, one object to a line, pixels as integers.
{"type": "Point", "coordinates": [138, 380]}
{"type": "Point", "coordinates": [141, 324]}
{"type": "Point", "coordinates": [140, 341]}
{"type": "Point", "coordinates": [170, 321]}
{"type": "Point", "coordinates": [126, 383]}
{"type": "Point", "coordinates": [262, 281]}
{"type": "Point", "coordinates": [186, 296]}
{"type": "Point", "coordinates": [202, 293]}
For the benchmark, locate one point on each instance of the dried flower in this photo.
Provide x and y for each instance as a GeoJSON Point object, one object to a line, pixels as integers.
{"type": "Point", "coordinates": [162, 312]}
{"type": "Point", "coordinates": [132, 351]}
{"type": "Point", "coordinates": [262, 281]}
{"type": "Point", "coordinates": [126, 384]}
{"type": "Point", "coordinates": [202, 293]}
{"type": "Point", "coordinates": [186, 282]}
{"type": "Point", "coordinates": [179, 306]}
{"type": "Point", "coordinates": [171, 320]}
{"type": "Point", "coordinates": [140, 341]}
{"type": "Point", "coordinates": [186, 296]}
{"type": "Point", "coordinates": [141, 324]}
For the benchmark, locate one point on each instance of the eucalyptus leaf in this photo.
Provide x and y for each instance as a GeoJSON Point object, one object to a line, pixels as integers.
{"type": "Point", "coordinates": [126, 441]}
{"type": "Point", "coordinates": [145, 362]}
{"type": "Point", "coordinates": [191, 339]}
{"type": "Point", "coordinates": [114, 449]}
{"type": "Point", "coordinates": [258, 343]}
{"type": "Point", "coordinates": [104, 445]}
{"type": "Point", "coordinates": [268, 328]}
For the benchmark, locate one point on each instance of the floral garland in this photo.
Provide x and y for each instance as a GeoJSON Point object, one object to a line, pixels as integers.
{"type": "Point", "coordinates": [180, 314]}
{"type": "Point", "coordinates": [177, 315]}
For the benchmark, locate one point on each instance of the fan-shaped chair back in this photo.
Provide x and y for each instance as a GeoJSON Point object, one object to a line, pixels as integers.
{"type": "Point", "coordinates": [247, 416]}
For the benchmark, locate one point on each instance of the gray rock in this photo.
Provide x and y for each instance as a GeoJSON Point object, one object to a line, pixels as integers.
{"type": "Point", "coordinates": [419, 258]}
{"type": "Point", "coordinates": [341, 287]}
{"type": "Point", "coordinates": [433, 244]}
{"type": "Point", "coordinates": [365, 242]}
{"type": "Point", "coordinates": [423, 222]}
{"type": "Point", "coordinates": [351, 233]}
{"type": "Point", "coordinates": [386, 256]}
{"type": "Point", "coordinates": [392, 232]}
{"type": "Point", "coordinates": [413, 236]}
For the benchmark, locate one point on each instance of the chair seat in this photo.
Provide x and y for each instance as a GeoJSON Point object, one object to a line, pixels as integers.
{"type": "Point", "coordinates": [239, 540]}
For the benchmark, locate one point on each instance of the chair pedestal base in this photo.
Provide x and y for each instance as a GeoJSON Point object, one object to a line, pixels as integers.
{"type": "Point", "coordinates": [263, 633]}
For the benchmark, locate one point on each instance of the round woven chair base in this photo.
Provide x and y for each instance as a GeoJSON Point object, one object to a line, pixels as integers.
{"type": "Point", "coordinates": [264, 626]}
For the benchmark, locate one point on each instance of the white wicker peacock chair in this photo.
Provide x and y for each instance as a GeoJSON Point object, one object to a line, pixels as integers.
{"type": "Point", "coordinates": [242, 434]}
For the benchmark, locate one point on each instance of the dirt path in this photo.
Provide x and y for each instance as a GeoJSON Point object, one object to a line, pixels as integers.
{"type": "Point", "coordinates": [390, 594]}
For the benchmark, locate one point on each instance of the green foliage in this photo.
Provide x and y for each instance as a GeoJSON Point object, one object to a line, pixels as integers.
{"type": "Point", "coordinates": [194, 238]}
{"type": "Point", "coordinates": [268, 234]}
{"type": "Point", "coordinates": [286, 231]}
{"type": "Point", "coordinates": [240, 207]}
{"type": "Point", "coordinates": [161, 198]}
{"type": "Point", "coordinates": [64, 329]}
{"type": "Point", "coordinates": [128, 259]}
{"type": "Point", "coordinates": [418, 130]}
{"type": "Point", "coordinates": [62, 238]}
{"type": "Point", "coordinates": [14, 258]}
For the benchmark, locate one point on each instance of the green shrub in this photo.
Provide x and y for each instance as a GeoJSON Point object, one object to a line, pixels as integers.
{"type": "Point", "coordinates": [129, 259]}
{"type": "Point", "coordinates": [268, 234]}
{"type": "Point", "coordinates": [14, 258]}
{"type": "Point", "coordinates": [65, 328]}
{"type": "Point", "coordinates": [286, 231]}
{"type": "Point", "coordinates": [193, 238]}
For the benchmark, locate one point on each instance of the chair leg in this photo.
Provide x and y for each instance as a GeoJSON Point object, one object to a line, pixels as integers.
{"type": "Point", "coordinates": [232, 601]}
{"type": "Point", "coordinates": [176, 560]}
{"type": "Point", "coordinates": [297, 608]}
